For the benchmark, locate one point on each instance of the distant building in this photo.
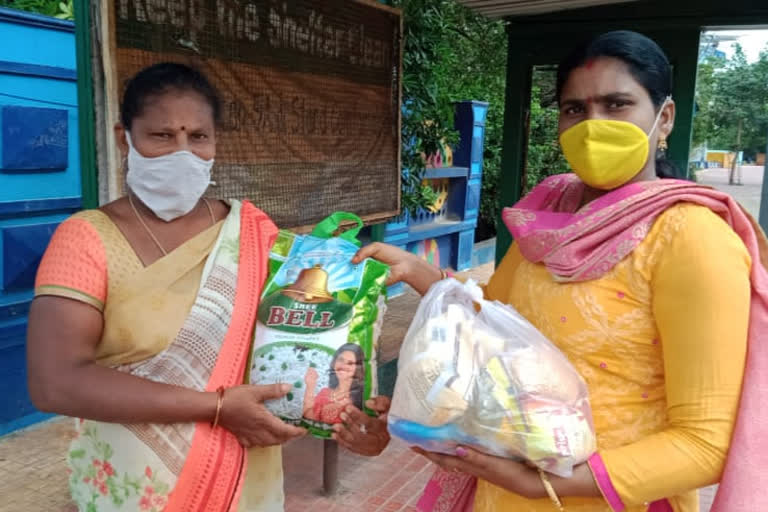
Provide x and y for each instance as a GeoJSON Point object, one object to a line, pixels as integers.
{"type": "Point", "coordinates": [710, 43]}
{"type": "Point", "coordinates": [710, 52]}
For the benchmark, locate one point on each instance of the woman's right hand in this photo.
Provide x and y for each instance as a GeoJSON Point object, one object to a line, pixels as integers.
{"type": "Point", "coordinates": [243, 413]}
{"type": "Point", "coordinates": [362, 434]}
{"type": "Point", "coordinates": [404, 266]}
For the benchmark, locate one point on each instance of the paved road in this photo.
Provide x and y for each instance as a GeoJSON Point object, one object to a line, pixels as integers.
{"type": "Point", "coordinates": [748, 194]}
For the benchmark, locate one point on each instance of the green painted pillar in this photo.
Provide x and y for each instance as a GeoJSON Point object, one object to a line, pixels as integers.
{"type": "Point", "coordinates": [683, 51]}
{"type": "Point", "coordinates": [516, 106]}
{"type": "Point", "coordinates": [85, 104]}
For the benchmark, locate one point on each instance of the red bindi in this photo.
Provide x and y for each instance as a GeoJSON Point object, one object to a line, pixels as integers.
{"type": "Point", "coordinates": [589, 63]}
{"type": "Point", "coordinates": [590, 99]}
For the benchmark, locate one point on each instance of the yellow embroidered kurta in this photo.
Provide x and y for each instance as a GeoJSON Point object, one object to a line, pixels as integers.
{"type": "Point", "coordinates": [661, 342]}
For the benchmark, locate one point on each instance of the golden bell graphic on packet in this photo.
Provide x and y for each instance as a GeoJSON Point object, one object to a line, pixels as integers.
{"type": "Point", "coordinates": [311, 287]}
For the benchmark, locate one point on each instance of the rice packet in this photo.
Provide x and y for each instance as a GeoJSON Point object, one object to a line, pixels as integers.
{"type": "Point", "coordinates": [318, 325]}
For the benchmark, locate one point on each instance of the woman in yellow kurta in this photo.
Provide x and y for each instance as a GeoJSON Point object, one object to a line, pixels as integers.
{"type": "Point", "coordinates": [640, 282]}
{"type": "Point", "coordinates": [663, 361]}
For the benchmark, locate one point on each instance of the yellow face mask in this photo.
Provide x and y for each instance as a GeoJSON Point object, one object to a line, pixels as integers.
{"type": "Point", "coordinates": [604, 153]}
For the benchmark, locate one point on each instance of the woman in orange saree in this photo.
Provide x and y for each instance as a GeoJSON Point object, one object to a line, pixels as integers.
{"type": "Point", "coordinates": [143, 319]}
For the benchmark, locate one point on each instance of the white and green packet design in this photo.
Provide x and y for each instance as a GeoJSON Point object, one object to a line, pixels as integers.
{"type": "Point", "coordinates": [318, 325]}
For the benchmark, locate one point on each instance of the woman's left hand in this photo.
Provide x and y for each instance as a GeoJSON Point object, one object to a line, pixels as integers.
{"type": "Point", "coordinates": [514, 476]}
{"type": "Point", "coordinates": [362, 434]}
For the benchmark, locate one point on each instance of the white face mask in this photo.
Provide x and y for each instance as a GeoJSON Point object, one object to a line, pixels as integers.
{"type": "Point", "coordinates": [170, 185]}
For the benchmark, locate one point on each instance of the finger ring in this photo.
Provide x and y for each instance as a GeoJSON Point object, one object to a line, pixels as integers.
{"type": "Point", "coordinates": [363, 430]}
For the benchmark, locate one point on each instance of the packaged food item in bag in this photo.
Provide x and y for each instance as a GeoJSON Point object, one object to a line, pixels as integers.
{"type": "Point", "coordinates": [476, 373]}
{"type": "Point", "coordinates": [318, 325]}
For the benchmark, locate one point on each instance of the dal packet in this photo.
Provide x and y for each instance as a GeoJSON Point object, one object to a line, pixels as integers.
{"type": "Point", "coordinates": [318, 325]}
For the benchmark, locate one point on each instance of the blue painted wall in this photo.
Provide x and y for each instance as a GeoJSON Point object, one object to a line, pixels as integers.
{"type": "Point", "coordinates": [40, 180]}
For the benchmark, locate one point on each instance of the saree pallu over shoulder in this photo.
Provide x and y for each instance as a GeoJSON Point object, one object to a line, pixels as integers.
{"type": "Point", "coordinates": [212, 477]}
{"type": "Point", "coordinates": [174, 467]}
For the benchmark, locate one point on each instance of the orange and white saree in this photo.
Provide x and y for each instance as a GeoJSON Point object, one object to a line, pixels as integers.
{"type": "Point", "coordinates": [185, 320]}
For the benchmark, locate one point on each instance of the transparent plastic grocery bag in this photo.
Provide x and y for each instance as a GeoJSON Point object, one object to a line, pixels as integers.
{"type": "Point", "coordinates": [476, 373]}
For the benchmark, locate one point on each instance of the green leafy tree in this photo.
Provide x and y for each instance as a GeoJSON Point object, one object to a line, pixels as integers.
{"type": "Point", "coordinates": [66, 10]}
{"type": "Point", "coordinates": [53, 8]}
{"type": "Point", "coordinates": [477, 71]}
{"type": "Point", "coordinates": [704, 125]}
{"type": "Point", "coordinates": [451, 54]}
{"type": "Point", "coordinates": [543, 156]}
{"type": "Point", "coordinates": [427, 117]}
{"type": "Point", "coordinates": [732, 104]}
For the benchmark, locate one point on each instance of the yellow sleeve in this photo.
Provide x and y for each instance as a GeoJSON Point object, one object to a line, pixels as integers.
{"type": "Point", "coordinates": [701, 298]}
{"type": "Point", "coordinates": [501, 281]}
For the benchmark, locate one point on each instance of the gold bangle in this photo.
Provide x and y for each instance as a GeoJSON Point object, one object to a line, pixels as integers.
{"type": "Point", "coordinates": [219, 405]}
{"type": "Point", "coordinates": [443, 275]}
{"type": "Point", "coordinates": [550, 490]}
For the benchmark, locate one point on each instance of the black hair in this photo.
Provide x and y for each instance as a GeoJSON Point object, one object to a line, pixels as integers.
{"type": "Point", "coordinates": [161, 78]}
{"type": "Point", "coordinates": [358, 381]}
{"type": "Point", "coordinates": [646, 61]}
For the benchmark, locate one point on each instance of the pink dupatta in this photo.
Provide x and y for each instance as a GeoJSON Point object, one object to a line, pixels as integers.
{"type": "Point", "coordinates": [583, 244]}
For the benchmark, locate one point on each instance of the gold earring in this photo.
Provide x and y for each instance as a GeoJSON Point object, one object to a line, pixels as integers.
{"type": "Point", "coordinates": [663, 145]}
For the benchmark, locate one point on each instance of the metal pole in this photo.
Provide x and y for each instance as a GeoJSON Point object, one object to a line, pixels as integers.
{"type": "Point", "coordinates": [764, 195]}
{"type": "Point", "coordinates": [330, 466]}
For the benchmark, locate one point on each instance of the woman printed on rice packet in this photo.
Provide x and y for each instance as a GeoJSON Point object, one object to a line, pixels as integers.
{"type": "Point", "coordinates": [345, 386]}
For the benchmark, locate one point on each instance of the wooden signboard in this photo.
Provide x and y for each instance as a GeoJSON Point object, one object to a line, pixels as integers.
{"type": "Point", "coordinates": [310, 90]}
